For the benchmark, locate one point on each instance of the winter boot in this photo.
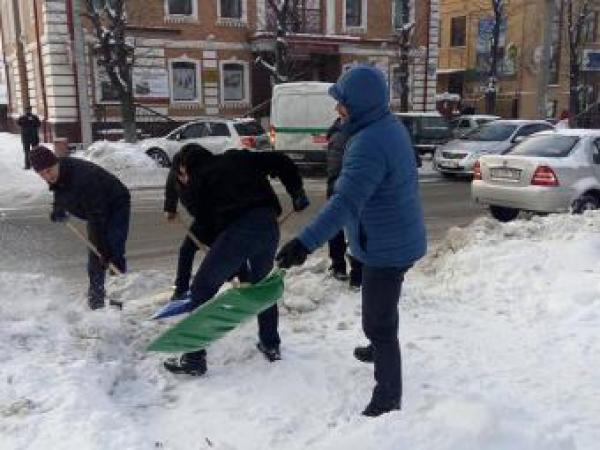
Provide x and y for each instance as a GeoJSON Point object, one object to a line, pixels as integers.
{"type": "Point", "coordinates": [193, 363]}
{"type": "Point", "coordinates": [95, 302]}
{"type": "Point", "coordinates": [375, 409]}
{"type": "Point", "coordinates": [338, 274]}
{"type": "Point", "coordinates": [179, 295]}
{"type": "Point", "coordinates": [364, 354]}
{"type": "Point", "coordinates": [271, 353]}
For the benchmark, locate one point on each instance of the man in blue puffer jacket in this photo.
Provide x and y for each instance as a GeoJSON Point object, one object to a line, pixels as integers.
{"type": "Point", "coordinates": [376, 199]}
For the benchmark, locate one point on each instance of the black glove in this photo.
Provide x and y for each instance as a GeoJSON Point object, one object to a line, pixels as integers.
{"type": "Point", "coordinates": [293, 253]}
{"type": "Point", "coordinates": [59, 216]}
{"type": "Point", "coordinates": [300, 201]}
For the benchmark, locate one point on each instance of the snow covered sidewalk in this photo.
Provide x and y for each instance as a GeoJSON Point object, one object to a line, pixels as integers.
{"type": "Point", "coordinates": [499, 331]}
{"type": "Point", "coordinates": [126, 161]}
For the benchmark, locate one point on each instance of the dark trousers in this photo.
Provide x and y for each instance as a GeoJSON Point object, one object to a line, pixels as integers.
{"type": "Point", "coordinates": [337, 254]}
{"type": "Point", "coordinates": [117, 229]}
{"type": "Point", "coordinates": [187, 252]}
{"type": "Point", "coordinates": [251, 240]}
{"type": "Point", "coordinates": [380, 296]}
{"type": "Point", "coordinates": [28, 144]}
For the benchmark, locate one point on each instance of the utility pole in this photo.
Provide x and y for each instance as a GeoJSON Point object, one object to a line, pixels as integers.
{"type": "Point", "coordinates": [82, 75]}
{"type": "Point", "coordinates": [544, 70]}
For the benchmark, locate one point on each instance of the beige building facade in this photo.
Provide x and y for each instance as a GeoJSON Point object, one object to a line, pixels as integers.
{"type": "Point", "coordinates": [197, 57]}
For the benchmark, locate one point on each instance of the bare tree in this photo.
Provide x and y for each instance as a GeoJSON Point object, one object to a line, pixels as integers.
{"type": "Point", "coordinates": [491, 89]}
{"type": "Point", "coordinates": [403, 34]}
{"type": "Point", "coordinates": [115, 55]}
{"type": "Point", "coordinates": [577, 13]}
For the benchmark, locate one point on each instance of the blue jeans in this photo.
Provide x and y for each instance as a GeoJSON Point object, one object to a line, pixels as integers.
{"type": "Point", "coordinates": [252, 239]}
{"type": "Point", "coordinates": [117, 229]}
{"type": "Point", "coordinates": [380, 296]}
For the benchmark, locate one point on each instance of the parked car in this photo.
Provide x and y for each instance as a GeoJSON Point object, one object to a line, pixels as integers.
{"type": "Point", "coordinates": [428, 130]}
{"type": "Point", "coordinates": [215, 134]}
{"type": "Point", "coordinates": [301, 115]}
{"type": "Point", "coordinates": [465, 124]}
{"type": "Point", "coordinates": [459, 155]}
{"type": "Point", "coordinates": [556, 171]}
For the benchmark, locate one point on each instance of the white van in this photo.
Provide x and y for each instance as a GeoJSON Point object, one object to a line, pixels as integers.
{"type": "Point", "coordinates": [301, 114]}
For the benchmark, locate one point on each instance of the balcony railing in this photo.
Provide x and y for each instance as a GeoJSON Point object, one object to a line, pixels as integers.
{"type": "Point", "coordinates": [304, 17]}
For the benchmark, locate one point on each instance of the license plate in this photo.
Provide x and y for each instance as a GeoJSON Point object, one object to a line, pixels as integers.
{"type": "Point", "coordinates": [505, 174]}
{"type": "Point", "coordinates": [296, 156]}
{"type": "Point", "coordinates": [449, 164]}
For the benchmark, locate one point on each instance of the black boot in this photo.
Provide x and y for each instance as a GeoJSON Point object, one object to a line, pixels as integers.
{"type": "Point", "coordinates": [364, 354]}
{"type": "Point", "coordinates": [193, 363]}
{"type": "Point", "coordinates": [271, 353]}
{"type": "Point", "coordinates": [375, 409]}
{"type": "Point", "coordinates": [95, 302]}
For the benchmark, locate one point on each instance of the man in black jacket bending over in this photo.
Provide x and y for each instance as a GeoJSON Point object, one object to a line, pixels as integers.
{"type": "Point", "coordinates": [90, 193]}
{"type": "Point", "coordinates": [232, 193]}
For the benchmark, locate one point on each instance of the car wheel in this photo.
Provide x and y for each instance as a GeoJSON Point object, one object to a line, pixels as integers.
{"type": "Point", "coordinates": [503, 214]}
{"type": "Point", "coordinates": [448, 175]}
{"type": "Point", "coordinates": [584, 203]}
{"type": "Point", "coordinates": [159, 157]}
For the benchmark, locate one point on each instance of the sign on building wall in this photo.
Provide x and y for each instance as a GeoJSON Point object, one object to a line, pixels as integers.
{"type": "Point", "coordinates": [150, 83]}
{"type": "Point", "coordinates": [590, 61]}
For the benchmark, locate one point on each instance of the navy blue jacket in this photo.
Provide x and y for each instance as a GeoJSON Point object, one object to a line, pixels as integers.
{"type": "Point", "coordinates": [376, 197]}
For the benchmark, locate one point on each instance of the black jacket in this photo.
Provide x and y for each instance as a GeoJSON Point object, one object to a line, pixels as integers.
{"type": "Point", "coordinates": [30, 124]}
{"type": "Point", "coordinates": [174, 191]}
{"type": "Point", "coordinates": [90, 193]}
{"type": "Point", "coordinates": [336, 146]}
{"type": "Point", "coordinates": [225, 187]}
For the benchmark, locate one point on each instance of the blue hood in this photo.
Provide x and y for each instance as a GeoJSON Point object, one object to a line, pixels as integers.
{"type": "Point", "coordinates": [363, 90]}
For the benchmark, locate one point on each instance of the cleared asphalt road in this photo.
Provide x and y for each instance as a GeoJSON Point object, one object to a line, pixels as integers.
{"type": "Point", "coordinates": [30, 243]}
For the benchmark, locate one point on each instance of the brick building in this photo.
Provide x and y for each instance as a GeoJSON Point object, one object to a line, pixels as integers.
{"type": "Point", "coordinates": [196, 57]}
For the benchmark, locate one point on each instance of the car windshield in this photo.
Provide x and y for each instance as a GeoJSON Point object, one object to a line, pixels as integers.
{"type": "Point", "coordinates": [434, 123]}
{"type": "Point", "coordinates": [550, 146]}
{"type": "Point", "coordinates": [492, 132]}
{"type": "Point", "coordinates": [249, 128]}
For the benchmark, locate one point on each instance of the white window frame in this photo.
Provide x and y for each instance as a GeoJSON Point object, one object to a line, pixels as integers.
{"type": "Point", "coordinates": [182, 17]}
{"type": "Point", "coordinates": [198, 99]}
{"type": "Point", "coordinates": [246, 66]}
{"type": "Point", "coordinates": [242, 20]}
{"type": "Point", "coordinates": [363, 26]}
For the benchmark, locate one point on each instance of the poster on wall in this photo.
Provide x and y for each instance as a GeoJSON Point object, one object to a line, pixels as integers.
{"type": "Point", "coordinates": [150, 82]}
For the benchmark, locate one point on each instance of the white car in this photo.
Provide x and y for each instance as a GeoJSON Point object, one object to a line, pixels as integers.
{"type": "Point", "coordinates": [459, 155]}
{"type": "Point", "coordinates": [465, 124]}
{"type": "Point", "coordinates": [556, 171]}
{"type": "Point", "coordinates": [215, 134]}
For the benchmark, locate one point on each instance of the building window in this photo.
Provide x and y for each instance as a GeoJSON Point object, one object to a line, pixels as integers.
{"type": "Point", "coordinates": [590, 26]}
{"type": "Point", "coordinates": [458, 32]}
{"type": "Point", "coordinates": [105, 91]}
{"type": "Point", "coordinates": [234, 82]}
{"type": "Point", "coordinates": [353, 13]}
{"type": "Point", "coordinates": [398, 13]}
{"type": "Point", "coordinates": [230, 9]}
{"type": "Point", "coordinates": [185, 83]}
{"type": "Point", "coordinates": [180, 7]}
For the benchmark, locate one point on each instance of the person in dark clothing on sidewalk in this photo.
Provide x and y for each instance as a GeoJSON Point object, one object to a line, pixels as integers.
{"type": "Point", "coordinates": [336, 145]}
{"type": "Point", "coordinates": [30, 126]}
{"type": "Point", "coordinates": [90, 193]}
{"type": "Point", "coordinates": [232, 192]}
{"type": "Point", "coordinates": [376, 199]}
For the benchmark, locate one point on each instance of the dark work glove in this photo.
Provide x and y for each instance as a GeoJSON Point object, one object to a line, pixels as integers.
{"type": "Point", "coordinates": [293, 253]}
{"type": "Point", "coordinates": [59, 216]}
{"type": "Point", "coordinates": [300, 201]}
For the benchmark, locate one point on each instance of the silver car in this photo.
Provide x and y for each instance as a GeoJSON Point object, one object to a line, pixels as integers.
{"type": "Point", "coordinates": [466, 124]}
{"type": "Point", "coordinates": [556, 171]}
{"type": "Point", "coordinates": [459, 155]}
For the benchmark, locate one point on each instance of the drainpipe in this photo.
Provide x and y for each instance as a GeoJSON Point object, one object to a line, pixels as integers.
{"type": "Point", "coordinates": [425, 88]}
{"type": "Point", "coordinates": [47, 134]}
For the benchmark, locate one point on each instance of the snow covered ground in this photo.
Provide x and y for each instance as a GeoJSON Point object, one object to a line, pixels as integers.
{"type": "Point", "coordinates": [126, 161]}
{"type": "Point", "coordinates": [499, 327]}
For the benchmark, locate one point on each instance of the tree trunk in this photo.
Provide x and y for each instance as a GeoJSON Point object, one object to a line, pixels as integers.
{"type": "Point", "coordinates": [405, 48]}
{"type": "Point", "coordinates": [574, 95]}
{"type": "Point", "coordinates": [128, 117]}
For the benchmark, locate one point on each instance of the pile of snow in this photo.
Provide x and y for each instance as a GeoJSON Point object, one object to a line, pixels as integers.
{"type": "Point", "coordinates": [126, 161]}
{"type": "Point", "coordinates": [499, 329]}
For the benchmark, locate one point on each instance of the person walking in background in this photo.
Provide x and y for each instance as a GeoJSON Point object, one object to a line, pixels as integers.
{"type": "Point", "coordinates": [30, 126]}
{"type": "Point", "coordinates": [377, 199]}
{"type": "Point", "coordinates": [336, 145]}
{"type": "Point", "coordinates": [90, 193]}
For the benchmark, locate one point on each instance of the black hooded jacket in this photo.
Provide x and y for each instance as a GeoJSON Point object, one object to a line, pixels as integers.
{"type": "Point", "coordinates": [223, 188]}
{"type": "Point", "coordinates": [90, 193]}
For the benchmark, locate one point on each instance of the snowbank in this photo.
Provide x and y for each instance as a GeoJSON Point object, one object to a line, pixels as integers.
{"type": "Point", "coordinates": [126, 161]}
{"type": "Point", "coordinates": [499, 329]}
